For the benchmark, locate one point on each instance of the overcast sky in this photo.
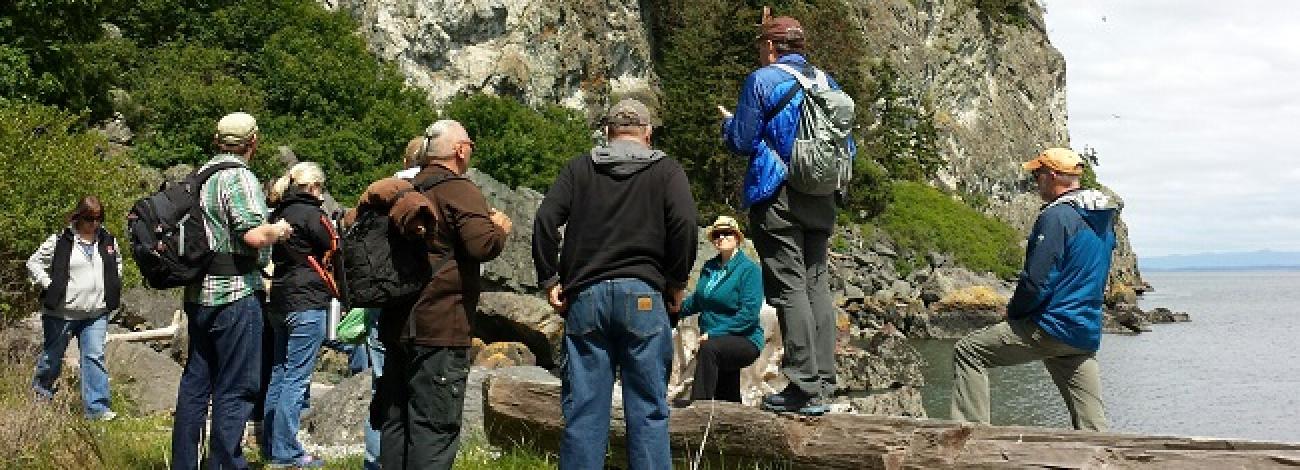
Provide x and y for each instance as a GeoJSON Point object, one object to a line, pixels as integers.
{"type": "Point", "coordinates": [1194, 108]}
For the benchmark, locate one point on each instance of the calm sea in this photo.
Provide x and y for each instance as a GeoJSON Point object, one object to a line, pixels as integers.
{"type": "Point", "coordinates": [1233, 371]}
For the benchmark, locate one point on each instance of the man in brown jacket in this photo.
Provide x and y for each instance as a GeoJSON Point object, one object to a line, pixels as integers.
{"type": "Point", "coordinates": [423, 386]}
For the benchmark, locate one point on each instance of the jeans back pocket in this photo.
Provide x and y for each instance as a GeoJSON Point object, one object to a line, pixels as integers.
{"type": "Point", "coordinates": [644, 313]}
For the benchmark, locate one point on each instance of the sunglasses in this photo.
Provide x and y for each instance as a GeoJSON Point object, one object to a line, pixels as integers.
{"type": "Point", "coordinates": [91, 218]}
{"type": "Point", "coordinates": [723, 233]}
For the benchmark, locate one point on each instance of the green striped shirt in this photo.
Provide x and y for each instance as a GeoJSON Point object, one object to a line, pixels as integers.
{"type": "Point", "coordinates": [233, 203]}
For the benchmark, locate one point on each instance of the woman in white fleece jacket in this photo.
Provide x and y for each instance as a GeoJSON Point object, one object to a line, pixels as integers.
{"type": "Point", "coordinates": [79, 271]}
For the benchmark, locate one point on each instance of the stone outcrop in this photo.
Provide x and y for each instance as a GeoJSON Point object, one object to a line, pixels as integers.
{"type": "Point", "coordinates": [573, 52]}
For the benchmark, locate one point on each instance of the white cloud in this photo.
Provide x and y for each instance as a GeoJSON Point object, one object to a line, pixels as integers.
{"type": "Point", "coordinates": [1191, 106]}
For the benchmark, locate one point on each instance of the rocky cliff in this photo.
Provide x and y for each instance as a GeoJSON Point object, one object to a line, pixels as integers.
{"type": "Point", "coordinates": [572, 52]}
{"type": "Point", "coordinates": [997, 91]}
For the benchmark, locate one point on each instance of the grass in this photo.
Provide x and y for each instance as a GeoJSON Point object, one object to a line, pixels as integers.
{"type": "Point", "coordinates": [922, 219]}
{"type": "Point", "coordinates": [53, 435]}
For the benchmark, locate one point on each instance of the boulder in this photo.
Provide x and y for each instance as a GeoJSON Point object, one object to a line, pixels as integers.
{"type": "Point", "coordinates": [513, 270]}
{"type": "Point", "coordinates": [1124, 320]}
{"type": "Point", "coordinates": [144, 308]}
{"type": "Point", "coordinates": [957, 323]}
{"type": "Point", "coordinates": [338, 417]}
{"type": "Point", "coordinates": [146, 377]}
{"type": "Point", "coordinates": [1164, 315]}
{"type": "Point", "coordinates": [940, 283]}
{"type": "Point", "coordinates": [504, 354]}
{"type": "Point", "coordinates": [527, 319]}
{"type": "Point", "coordinates": [21, 341]}
{"type": "Point", "coordinates": [884, 361]}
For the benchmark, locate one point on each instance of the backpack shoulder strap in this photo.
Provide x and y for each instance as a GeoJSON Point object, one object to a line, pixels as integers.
{"type": "Point", "coordinates": [804, 83]}
{"type": "Point", "coordinates": [201, 177]}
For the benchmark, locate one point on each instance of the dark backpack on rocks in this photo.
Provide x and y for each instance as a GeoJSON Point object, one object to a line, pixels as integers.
{"type": "Point", "coordinates": [376, 267]}
{"type": "Point", "coordinates": [169, 240]}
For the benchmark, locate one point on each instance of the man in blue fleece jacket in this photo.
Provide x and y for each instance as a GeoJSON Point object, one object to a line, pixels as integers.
{"type": "Point", "coordinates": [791, 229]}
{"type": "Point", "coordinates": [1055, 313]}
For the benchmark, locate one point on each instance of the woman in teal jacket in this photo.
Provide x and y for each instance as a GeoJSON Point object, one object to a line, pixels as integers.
{"type": "Point", "coordinates": [728, 297]}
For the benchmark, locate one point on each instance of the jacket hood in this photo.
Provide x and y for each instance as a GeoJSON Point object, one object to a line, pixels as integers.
{"type": "Point", "coordinates": [1096, 208]}
{"type": "Point", "coordinates": [623, 158]}
{"type": "Point", "coordinates": [294, 197]}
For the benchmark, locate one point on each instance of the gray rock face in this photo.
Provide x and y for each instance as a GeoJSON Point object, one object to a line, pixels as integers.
{"type": "Point", "coordinates": [149, 378]}
{"type": "Point", "coordinates": [573, 52]}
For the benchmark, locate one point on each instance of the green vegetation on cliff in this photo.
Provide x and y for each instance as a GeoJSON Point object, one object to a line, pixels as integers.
{"type": "Point", "coordinates": [922, 219]}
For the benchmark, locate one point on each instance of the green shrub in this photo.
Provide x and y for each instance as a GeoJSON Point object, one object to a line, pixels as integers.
{"type": "Point", "coordinates": [517, 145]}
{"type": "Point", "coordinates": [922, 219]}
{"type": "Point", "coordinates": [177, 94]}
{"type": "Point", "coordinates": [49, 164]}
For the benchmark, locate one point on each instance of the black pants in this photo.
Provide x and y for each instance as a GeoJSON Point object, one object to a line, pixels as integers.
{"type": "Point", "coordinates": [420, 397]}
{"type": "Point", "coordinates": [717, 370]}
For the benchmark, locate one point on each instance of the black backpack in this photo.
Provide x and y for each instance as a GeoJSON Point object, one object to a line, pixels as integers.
{"type": "Point", "coordinates": [169, 240]}
{"type": "Point", "coordinates": [376, 267]}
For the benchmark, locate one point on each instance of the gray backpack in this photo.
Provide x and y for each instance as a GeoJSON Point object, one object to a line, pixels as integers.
{"type": "Point", "coordinates": [820, 162]}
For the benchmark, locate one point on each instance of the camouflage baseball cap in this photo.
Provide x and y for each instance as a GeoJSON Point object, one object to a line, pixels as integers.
{"type": "Point", "coordinates": [629, 112]}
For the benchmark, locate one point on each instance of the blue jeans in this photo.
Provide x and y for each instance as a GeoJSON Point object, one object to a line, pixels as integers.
{"type": "Point", "coordinates": [616, 325]}
{"type": "Point", "coordinates": [90, 335]}
{"type": "Point", "coordinates": [297, 343]}
{"type": "Point", "coordinates": [224, 368]}
{"type": "Point", "coordinates": [375, 352]}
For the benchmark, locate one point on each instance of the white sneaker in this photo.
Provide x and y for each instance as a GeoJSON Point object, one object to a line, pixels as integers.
{"type": "Point", "coordinates": [105, 416]}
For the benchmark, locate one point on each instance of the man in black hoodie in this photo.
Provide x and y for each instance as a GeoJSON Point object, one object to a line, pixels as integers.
{"type": "Point", "coordinates": [628, 249]}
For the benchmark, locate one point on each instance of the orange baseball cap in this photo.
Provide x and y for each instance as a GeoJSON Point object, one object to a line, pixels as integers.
{"type": "Point", "coordinates": [1060, 160]}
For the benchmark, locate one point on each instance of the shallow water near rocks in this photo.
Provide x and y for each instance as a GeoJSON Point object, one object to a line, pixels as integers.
{"type": "Point", "coordinates": [1232, 372]}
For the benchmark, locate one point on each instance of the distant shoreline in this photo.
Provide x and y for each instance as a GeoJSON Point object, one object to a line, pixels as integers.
{"type": "Point", "coordinates": [1220, 269]}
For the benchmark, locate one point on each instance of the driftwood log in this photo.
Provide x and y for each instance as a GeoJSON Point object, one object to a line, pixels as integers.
{"type": "Point", "coordinates": [526, 412]}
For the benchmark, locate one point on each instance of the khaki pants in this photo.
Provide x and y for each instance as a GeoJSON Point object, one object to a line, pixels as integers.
{"type": "Point", "coordinates": [1018, 341]}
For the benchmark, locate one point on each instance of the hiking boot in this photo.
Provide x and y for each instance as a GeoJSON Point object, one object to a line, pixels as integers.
{"type": "Point", "coordinates": [793, 399]}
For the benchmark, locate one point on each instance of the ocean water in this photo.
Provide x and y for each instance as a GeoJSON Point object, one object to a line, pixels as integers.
{"type": "Point", "coordinates": [1232, 372]}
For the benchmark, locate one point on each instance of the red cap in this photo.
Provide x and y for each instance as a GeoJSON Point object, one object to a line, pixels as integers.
{"type": "Point", "coordinates": [781, 28]}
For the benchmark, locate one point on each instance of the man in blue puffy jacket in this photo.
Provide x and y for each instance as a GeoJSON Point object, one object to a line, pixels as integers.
{"type": "Point", "coordinates": [791, 229]}
{"type": "Point", "coordinates": [1055, 314]}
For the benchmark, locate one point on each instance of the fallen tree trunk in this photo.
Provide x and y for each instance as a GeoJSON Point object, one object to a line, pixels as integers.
{"type": "Point", "coordinates": [526, 412]}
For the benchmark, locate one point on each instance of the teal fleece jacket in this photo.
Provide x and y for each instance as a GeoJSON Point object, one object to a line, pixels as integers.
{"type": "Point", "coordinates": [728, 299]}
